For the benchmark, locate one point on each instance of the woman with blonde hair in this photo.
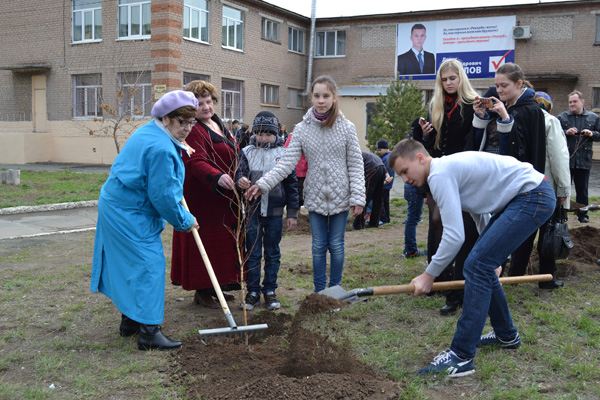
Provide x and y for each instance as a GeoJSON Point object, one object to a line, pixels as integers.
{"type": "Point", "coordinates": [445, 132]}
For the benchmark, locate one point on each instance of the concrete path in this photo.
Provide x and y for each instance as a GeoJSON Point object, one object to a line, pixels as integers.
{"type": "Point", "coordinates": [23, 222]}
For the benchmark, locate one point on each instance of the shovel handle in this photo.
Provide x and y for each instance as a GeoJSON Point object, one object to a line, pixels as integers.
{"type": "Point", "coordinates": [209, 268]}
{"type": "Point", "coordinates": [450, 285]}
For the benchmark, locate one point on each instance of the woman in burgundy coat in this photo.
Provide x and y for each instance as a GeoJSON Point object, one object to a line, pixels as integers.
{"type": "Point", "coordinates": [208, 190]}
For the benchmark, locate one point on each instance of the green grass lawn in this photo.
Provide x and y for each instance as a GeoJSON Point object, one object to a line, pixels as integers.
{"type": "Point", "coordinates": [51, 187]}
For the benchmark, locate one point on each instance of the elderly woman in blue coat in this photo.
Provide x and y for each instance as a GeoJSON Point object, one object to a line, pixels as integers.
{"type": "Point", "coordinates": [145, 188]}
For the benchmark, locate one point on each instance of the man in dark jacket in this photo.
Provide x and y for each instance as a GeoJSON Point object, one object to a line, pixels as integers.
{"type": "Point", "coordinates": [375, 176]}
{"type": "Point", "coordinates": [581, 127]}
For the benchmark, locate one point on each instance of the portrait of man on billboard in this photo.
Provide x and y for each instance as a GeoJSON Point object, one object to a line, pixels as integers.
{"type": "Point", "coordinates": [416, 61]}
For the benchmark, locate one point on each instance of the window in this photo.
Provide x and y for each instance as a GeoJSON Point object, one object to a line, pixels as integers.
{"type": "Point", "coordinates": [136, 92]}
{"type": "Point", "coordinates": [134, 19]}
{"type": "Point", "coordinates": [371, 113]}
{"type": "Point", "coordinates": [87, 20]}
{"type": "Point", "coordinates": [87, 96]}
{"type": "Point", "coordinates": [428, 96]}
{"type": "Point", "coordinates": [296, 40]}
{"type": "Point", "coordinates": [188, 77]}
{"type": "Point", "coordinates": [269, 94]}
{"type": "Point", "coordinates": [270, 30]}
{"type": "Point", "coordinates": [233, 31]}
{"type": "Point", "coordinates": [195, 20]}
{"type": "Point", "coordinates": [596, 99]}
{"type": "Point", "coordinates": [597, 28]}
{"type": "Point", "coordinates": [294, 98]}
{"type": "Point", "coordinates": [231, 96]}
{"type": "Point", "coordinates": [330, 44]}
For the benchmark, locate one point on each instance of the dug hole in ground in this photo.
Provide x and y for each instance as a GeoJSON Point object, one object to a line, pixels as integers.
{"type": "Point", "coordinates": [293, 362]}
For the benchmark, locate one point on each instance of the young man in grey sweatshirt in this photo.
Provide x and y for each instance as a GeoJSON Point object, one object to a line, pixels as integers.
{"type": "Point", "coordinates": [520, 200]}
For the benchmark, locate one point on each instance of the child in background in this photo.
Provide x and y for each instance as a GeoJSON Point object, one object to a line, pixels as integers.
{"type": "Point", "coordinates": [301, 169]}
{"type": "Point", "coordinates": [265, 216]}
{"type": "Point", "coordinates": [335, 180]}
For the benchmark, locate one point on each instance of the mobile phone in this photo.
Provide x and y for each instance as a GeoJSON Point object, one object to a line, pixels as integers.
{"type": "Point", "coordinates": [487, 102]}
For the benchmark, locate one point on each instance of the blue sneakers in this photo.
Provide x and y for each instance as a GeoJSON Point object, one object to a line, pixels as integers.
{"type": "Point", "coordinates": [449, 363]}
{"type": "Point", "coordinates": [490, 339]}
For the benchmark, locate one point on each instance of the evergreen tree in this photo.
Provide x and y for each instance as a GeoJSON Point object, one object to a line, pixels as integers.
{"type": "Point", "coordinates": [395, 111]}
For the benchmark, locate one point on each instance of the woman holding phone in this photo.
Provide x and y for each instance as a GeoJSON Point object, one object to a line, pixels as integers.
{"type": "Point", "coordinates": [445, 132]}
{"type": "Point", "coordinates": [519, 124]}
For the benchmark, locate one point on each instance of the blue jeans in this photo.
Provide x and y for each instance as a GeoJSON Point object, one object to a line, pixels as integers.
{"type": "Point", "coordinates": [483, 294]}
{"type": "Point", "coordinates": [327, 234]}
{"type": "Point", "coordinates": [263, 232]}
{"type": "Point", "coordinates": [413, 216]}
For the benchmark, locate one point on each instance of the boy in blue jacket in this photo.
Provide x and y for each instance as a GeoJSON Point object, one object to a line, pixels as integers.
{"type": "Point", "coordinates": [265, 214]}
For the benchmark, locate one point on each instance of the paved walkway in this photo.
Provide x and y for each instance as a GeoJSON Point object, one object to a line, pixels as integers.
{"type": "Point", "coordinates": [22, 222]}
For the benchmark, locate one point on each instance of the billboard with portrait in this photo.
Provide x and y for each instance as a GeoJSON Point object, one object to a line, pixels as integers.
{"type": "Point", "coordinates": [482, 44]}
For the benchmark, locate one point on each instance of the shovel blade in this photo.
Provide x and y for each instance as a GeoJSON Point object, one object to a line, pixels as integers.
{"type": "Point", "coordinates": [338, 293]}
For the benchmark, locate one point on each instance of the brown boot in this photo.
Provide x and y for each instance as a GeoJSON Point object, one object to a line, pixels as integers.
{"type": "Point", "coordinates": [204, 298]}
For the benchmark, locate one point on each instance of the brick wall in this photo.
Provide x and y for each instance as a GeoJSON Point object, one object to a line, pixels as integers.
{"type": "Point", "coordinates": [562, 46]}
{"type": "Point", "coordinates": [561, 55]}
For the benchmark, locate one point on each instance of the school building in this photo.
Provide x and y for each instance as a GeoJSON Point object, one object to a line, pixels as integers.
{"type": "Point", "coordinates": [79, 69]}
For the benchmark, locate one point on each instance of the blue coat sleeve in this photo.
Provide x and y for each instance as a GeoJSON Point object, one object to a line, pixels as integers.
{"type": "Point", "coordinates": [165, 188]}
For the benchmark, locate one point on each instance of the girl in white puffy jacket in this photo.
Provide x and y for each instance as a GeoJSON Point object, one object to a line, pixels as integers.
{"type": "Point", "coordinates": [334, 182]}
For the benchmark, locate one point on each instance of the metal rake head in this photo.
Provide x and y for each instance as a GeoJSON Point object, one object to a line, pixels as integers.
{"type": "Point", "coordinates": [214, 335]}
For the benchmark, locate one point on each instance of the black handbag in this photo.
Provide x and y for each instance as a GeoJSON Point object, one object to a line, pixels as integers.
{"type": "Point", "coordinates": [557, 243]}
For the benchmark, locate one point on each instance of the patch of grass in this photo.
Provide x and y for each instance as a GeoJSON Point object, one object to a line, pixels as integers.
{"type": "Point", "coordinates": [54, 330]}
{"type": "Point", "coordinates": [41, 187]}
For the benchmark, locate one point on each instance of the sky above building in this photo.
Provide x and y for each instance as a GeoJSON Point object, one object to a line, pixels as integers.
{"type": "Point", "coordinates": [338, 8]}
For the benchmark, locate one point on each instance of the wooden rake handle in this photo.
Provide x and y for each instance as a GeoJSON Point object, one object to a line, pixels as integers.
{"type": "Point", "coordinates": [450, 285]}
{"type": "Point", "coordinates": [209, 268]}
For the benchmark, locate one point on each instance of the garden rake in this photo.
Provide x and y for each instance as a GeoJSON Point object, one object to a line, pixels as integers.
{"type": "Point", "coordinates": [233, 331]}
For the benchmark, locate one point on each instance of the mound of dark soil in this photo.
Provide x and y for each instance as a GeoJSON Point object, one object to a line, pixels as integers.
{"type": "Point", "coordinates": [291, 363]}
{"type": "Point", "coordinates": [302, 227]}
{"type": "Point", "coordinates": [587, 245]}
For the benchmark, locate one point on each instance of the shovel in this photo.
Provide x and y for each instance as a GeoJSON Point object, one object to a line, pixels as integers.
{"type": "Point", "coordinates": [581, 207]}
{"type": "Point", "coordinates": [355, 295]}
{"type": "Point", "coordinates": [233, 331]}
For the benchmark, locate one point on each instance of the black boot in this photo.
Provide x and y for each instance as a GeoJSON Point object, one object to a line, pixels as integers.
{"type": "Point", "coordinates": [128, 326]}
{"type": "Point", "coordinates": [152, 338]}
{"type": "Point", "coordinates": [449, 309]}
{"type": "Point", "coordinates": [553, 284]}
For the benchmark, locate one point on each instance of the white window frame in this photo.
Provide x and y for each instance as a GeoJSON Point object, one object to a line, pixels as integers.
{"type": "Point", "coordinates": [269, 94]}
{"type": "Point", "coordinates": [87, 99]}
{"type": "Point", "coordinates": [237, 25]}
{"type": "Point", "coordinates": [192, 76]}
{"type": "Point", "coordinates": [94, 13]}
{"type": "Point", "coordinates": [296, 40]}
{"type": "Point", "coordinates": [138, 84]}
{"type": "Point", "coordinates": [337, 52]}
{"type": "Point", "coordinates": [295, 97]}
{"type": "Point", "coordinates": [232, 100]}
{"type": "Point", "coordinates": [189, 13]}
{"type": "Point", "coordinates": [270, 30]}
{"type": "Point", "coordinates": [143, 6]}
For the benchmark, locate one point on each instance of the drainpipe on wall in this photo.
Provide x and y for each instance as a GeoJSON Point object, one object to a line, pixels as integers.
{"type": "Point", "coordinates": [313, 17]}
